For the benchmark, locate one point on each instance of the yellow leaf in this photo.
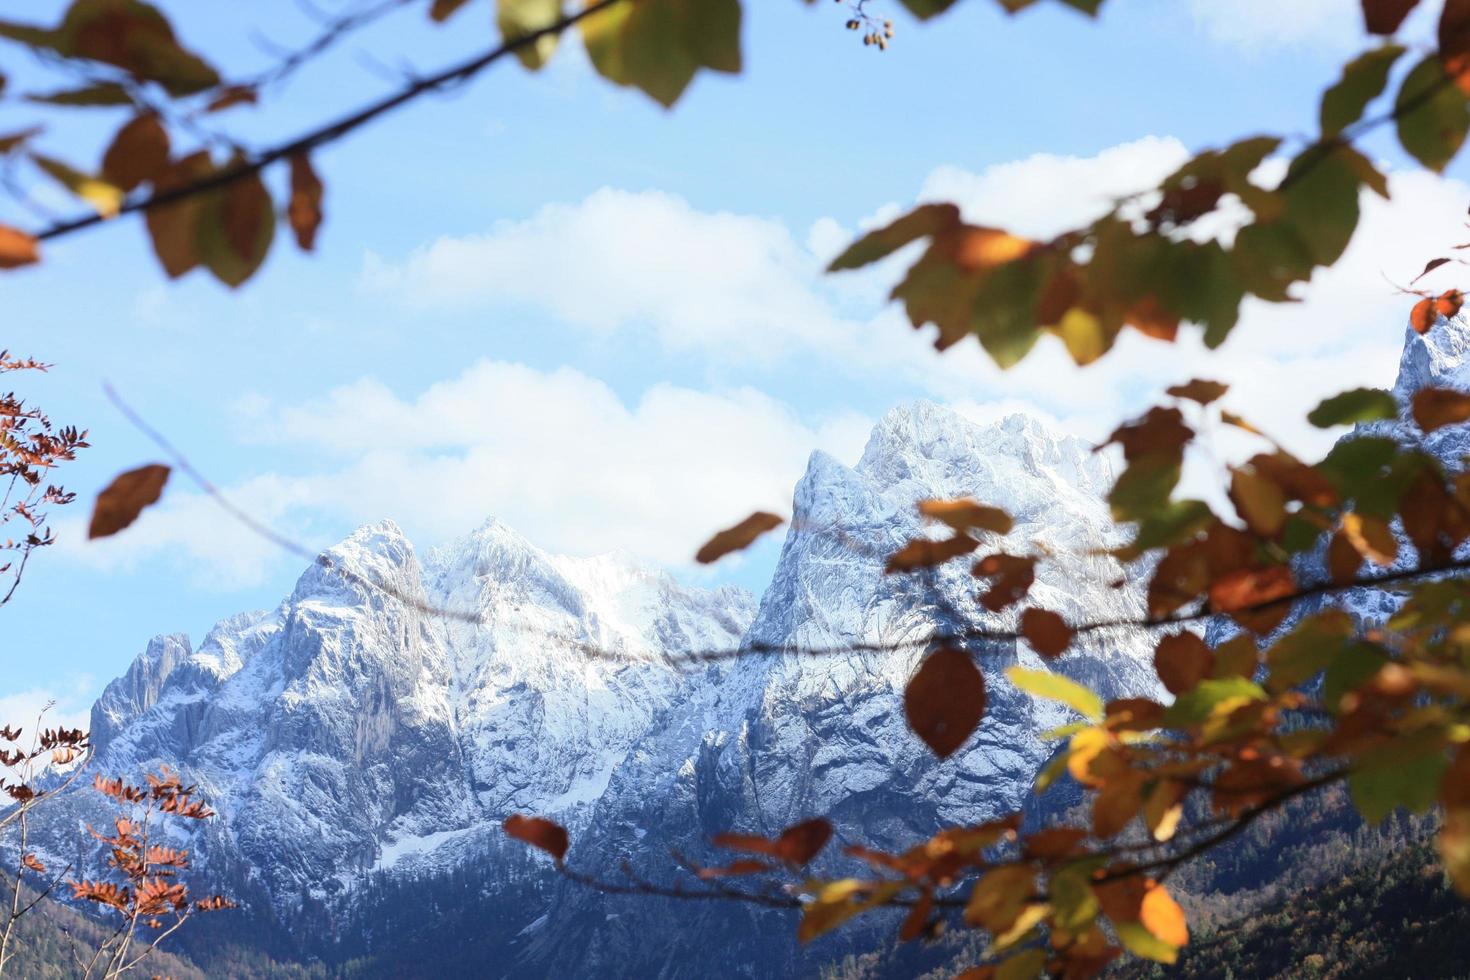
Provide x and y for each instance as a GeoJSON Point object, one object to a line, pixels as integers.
{"type": "Point", "coordinates": [1163, 917]}
{"type": "Point", "coordinates": [517, 18]}
{"type": "Point", "coordinates": [997, 898]}
{"type": "Point", "coordinates": [104, 197]}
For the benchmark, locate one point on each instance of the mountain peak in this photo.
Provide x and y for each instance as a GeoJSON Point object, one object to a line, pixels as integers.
{"type": "Point", "coordinates": [1438, 358]}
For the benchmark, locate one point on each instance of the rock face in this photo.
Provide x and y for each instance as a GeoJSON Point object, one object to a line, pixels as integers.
{"type": "Point", "coordinates": [347, 732]}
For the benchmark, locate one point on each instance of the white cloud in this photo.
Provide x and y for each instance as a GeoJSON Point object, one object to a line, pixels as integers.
{"type": "Point", "coordinates": [1044, 195]}
{"type": "Point", "coordinates": [70, 706]}
{"type": "Point", "coordinates": [1257, 25]}
{"type": "Point", "coordinates": [557, 455]}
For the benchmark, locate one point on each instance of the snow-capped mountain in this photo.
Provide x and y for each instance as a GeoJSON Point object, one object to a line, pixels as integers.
{"type": "Point", "coordinates": [347, 732]}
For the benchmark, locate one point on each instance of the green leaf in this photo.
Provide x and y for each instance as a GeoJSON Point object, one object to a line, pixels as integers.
{"type": "Point", "coordinates": [1405, 772]}
{"type": "Point", "coordinates": [1270, 256]}
{"type": "Point", "coordinates": [1140, 942]}
{"type": "Point", "coordinates": [1004, 311]}
{"type": "Point", "coordinates": [1142, 490]}
{"type": "Point", "coordinates": [924, 9]}
{"type": "Point", "coordinates": [1351, 407]}
{"type": "Point", "coordinates": [101, 94]}
{"type": "Point", "coordinates": [1432, 115]}
{"type": "Point", "coordinates": [1322, 200]}
{"type": "Point", "coordinates": [1055, 687]}
{"type": "Point", "coordinates": [1363, 80]}
{"type": "Point", "coordinates": [1353, 665]}
{"type": "Point", "coordinates": [658, 45]}
{"type": "Point", "coordinates": [922, 222]}
{"type": "Point", "coordinates": [517, 18]}
{"type": "Point", "coordinates": [1206, 289]}
{"type": "Point", "coordinates": [1176, 521]}
{"type": "Point", "coordinates": [1194, 706]}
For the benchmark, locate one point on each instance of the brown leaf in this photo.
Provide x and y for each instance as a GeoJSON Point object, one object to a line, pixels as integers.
{"type": "Point", "coordinates": [539, 832]}
{"type": "Point", "coordinates": [1011, 576]}
{"type": "Point", "coordinates": [1259, 501]}
{"type": "Point", "coordinates": [1236, 592]}
{"type": "Point", "coordinates": [801, 842]}
{"type": "Point", "coordinates": [1454, 42]}
{"type": "Point", "coordinates": [17, 248]}
{"type": "Point", "coordinates": [1435, 408]}
{"type": "Point", "coordinates": [926, 553]}
{"type": "Point", "coordinates": [125, 497]}
{"type": "Point", "coordinates": [1203, 392]}
{"type": "Point", "coordinates": [442, 10]}
{"type": "Point", "coordinates": [945, 700]}
{"type": "Point", "coordinates": [1048, 633]}
{"type": "Point", "coordinates": [916, 923]}
{"type": "Point", "coordinates": [735, 538]}
{"type": "Point", "coordinates": [746, 866]}
{"type": "Point", "coordinates": [1182, 660]}
{"type": "Point", "coordinates": [967, 515]}
{"type": "Point", "coordinates": [1429, 267]}
{"type": "Point", "coordinates": [305, 209]}
{"type": "Point", "coordinates": [236, 226]}
{"type": "Point", "coordinates": [1343, 559]}
{"type": "Point", "coordinates": [138, 152]}
{"type": "Point", "coordinates": [174, 228]}
{"type": "Point", "coordinates": [1422, 316]}
{"type": "Point", "coordinates": [1385, 16]}
{"type": "Point", "coordinates": [1161, 430]}
{"type": "Point", "coordinates": [230, 97]}
{"type": "Point", "coordinates": [1448, 303]}
{"type": "Point", "coordinates": [34, 863]}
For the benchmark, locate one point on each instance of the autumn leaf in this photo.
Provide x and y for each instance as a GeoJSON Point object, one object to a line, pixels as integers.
{"type": "Point", "coordinates": [1163, 917]}
{"type": "Point", "coordinates": [105, 197]}
{"type": "Point", "coordinates": [125, 497]}
{"type": "Point", "coordinates": [945, 700]}
{"type": "Point", "coordinates": [1238, 591]}
{"type": "Point", "coordinates": [17, 248]}
{"type": "Point", "coordinates": [1182, 660]}
{"type": "Point", "coordinates": [304, 211]}
{"type": "Point", "coordinates": [517, 18]}
{"type": "Point", "coordinates": [1200, 391]}
{"type": "Point", "coordinates": [967, 515]}
{"type": "Point", "coordinates": [235, 227]}
{"type": "Point", "coordinates": [1435, 408]}
{"type": "Point", "coordinates": [540, 833]}
{"type": "Point", "coordinates": [34, 863]}
{"type": "Point", "coordinates": [1448, 303]}
{"type": "Point", "coordinates": [1422, 316]}
{"type": "Point", "coordinates": [1371, 536]}
{"type": "Point", "coordinates": [173, 228]}
{"type": "Point", "coordinates": [1010, 579]}
{"type": "Point", "coordinates": [1363, 80]}
{"type": "Point", "coordinates": [1385, 16]}
{"type": "Point", "coordinates": [736, 538]}
{"type": "Point", "coordinates": [138, 152]}
{"type": "Point", "coordinates": [926, 553]}
{"type": "Point", "coordinates": [1048, 633]}
{"type": "Point", "coordinates": [797, 844]}
{"type": "Point", "coordinates": [1454, 42]}
{"type": "Point", "coordinates": [1429, 267]}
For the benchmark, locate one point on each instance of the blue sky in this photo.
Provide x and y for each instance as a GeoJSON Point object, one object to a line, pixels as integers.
{"type": "Point", "coordinates": [549, 300]}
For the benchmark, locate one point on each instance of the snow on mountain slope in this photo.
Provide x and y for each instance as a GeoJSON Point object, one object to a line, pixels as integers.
{"type": "Point", "coordinates": [346, 732]}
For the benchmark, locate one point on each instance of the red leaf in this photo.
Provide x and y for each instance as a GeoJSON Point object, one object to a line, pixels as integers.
{"type": "Point", "coordinates": [539, 832]}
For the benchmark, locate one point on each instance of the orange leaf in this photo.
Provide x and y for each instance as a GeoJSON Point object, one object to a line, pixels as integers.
{"type": "Point", "coordinates": [1448, 303]}
{"type": "Point", "coordinates": [1238, 591]}
{"type": "Point", "coordinates": [1048, 633]}
{"type": "Point", "coordinates": [125, 497]}
{"type": "Point", "coordinates": [1343, 560]}
{"type": "Point", "coordinates": [17, 248]}
{"type": "Point", "coordinates": [1163, 917]}
{"type": "Point", "coordinates": [34, 863]}
{"type": "Point", "coordinates": [747, 866]}
{"type": "Point", "coordinates": [945, 700]}
{"type": "Point", "coordinates": [539, 832]}
{"type": "Point", "coordinates": [735, 538]}
{"type": "Point", "coordinates": [1422, 316]}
